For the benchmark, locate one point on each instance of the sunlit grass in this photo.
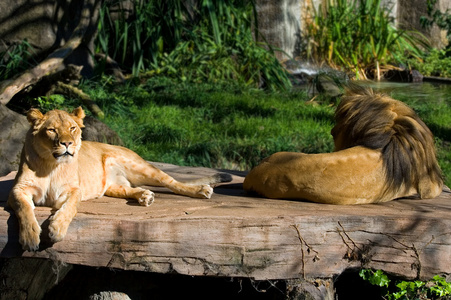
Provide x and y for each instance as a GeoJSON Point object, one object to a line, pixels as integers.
{"type": "Point", "coordinates": [234, 127]}
{"type": "Point", "coordinates": [215, 126]}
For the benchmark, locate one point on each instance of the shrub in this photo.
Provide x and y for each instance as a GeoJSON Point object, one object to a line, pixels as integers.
{"type": "Point", "coordinates": [358, 36]}
{"type": "Point", "coordinates": [435, 288]}
{"type": "Point", "coordinates": [435, 63]}
{"type": "Point", "coordinates": [209, 42]}
{"type": "Point", "coordinates": [15, 58]}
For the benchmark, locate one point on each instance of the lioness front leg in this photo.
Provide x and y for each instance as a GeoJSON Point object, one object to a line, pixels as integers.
{"type": "Point", "coordinates": [144, 197]}
{"type": "Point", "coordinates": [63, 216]}
{"type": "Point", "coordinates": [29, 229]}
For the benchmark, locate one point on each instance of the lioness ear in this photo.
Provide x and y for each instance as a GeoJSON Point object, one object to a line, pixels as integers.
{"type": "Point", "coordinates": [34, 115]}
{"type": "Point", "coordinates": [79, 114]}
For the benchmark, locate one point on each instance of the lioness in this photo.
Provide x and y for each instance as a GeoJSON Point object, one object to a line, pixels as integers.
{"type": "Point", "coordinates": [383, 151]}
{"type": "Point", "coordinates": [58, 170]}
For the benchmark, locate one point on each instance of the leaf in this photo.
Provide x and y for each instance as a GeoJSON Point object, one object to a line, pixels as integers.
{"type": "Point", "coordinates": [378, 277]}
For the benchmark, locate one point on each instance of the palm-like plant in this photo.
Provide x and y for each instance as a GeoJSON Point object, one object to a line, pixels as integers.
{"type": "Point", "coordinates": [359, 36]}
{"type": "Point", "coordinates": [205, 40]}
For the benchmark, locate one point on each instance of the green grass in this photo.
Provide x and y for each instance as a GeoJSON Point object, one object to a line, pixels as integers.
{"type": "Point", "coordinates": [213, 125]}
{"type": "Point", "coordinates": [233, 127]}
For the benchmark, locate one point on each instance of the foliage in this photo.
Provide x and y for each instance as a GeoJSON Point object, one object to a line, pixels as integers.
{"type": "Point", "coordinates": [436, 63]}
{"type": "Point", "coordinates": [435, 288]}
{"type": "Point", "coordinates": [213, 41]}
{"type": "Point", "coordinates": [358, 36]}
{"type": "Point", "coordinates": [435, 16]}
{"type": "Point", "coordinates": [378, 277]}
{"type": "Point", "coordinates": [15, 58]}
{"type": "Point", "coordinates": [47, 103]}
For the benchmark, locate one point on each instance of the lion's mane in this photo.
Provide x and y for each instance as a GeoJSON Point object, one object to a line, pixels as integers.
{"type": "Point", "coordinates": [378, 122]}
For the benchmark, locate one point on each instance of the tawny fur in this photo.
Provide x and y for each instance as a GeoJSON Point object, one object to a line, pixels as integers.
{"type": "Point", "coordinates": [383, 151]}
{"type": "Point", "coordinates": [58, 170]}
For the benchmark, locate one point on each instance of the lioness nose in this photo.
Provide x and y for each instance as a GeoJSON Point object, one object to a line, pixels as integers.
{"type": "Point", "coordinates": [66, 144]}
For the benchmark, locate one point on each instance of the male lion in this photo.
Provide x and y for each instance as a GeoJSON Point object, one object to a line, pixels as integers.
{"type": "Point", "coordinates": [383, 151]}
{"type": "Point", "coordinates": [58, 170]}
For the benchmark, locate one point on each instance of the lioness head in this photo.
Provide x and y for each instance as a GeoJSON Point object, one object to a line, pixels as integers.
{"type": "Point", "coordinates": [57, 134]}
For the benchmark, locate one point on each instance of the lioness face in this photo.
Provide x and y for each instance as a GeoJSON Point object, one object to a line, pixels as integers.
{"type": "Point", "coordinates": [57, 134]}
{"type": "Point", "coordinates": [64, 138]}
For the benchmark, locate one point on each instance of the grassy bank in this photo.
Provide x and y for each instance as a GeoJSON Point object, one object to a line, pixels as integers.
{"type": "Point", "coordinates": [233, 127]}
{"type": "Point", "coordinates": [213, 125]}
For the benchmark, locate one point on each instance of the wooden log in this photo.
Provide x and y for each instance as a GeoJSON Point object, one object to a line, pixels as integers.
{"type": "Point", "coordinates": [235, 235]}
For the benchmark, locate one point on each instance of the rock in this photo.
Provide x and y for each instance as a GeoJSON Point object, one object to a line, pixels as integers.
{"type": "Point", "coordinates": [98, 131]}
{"type": "Point", "coordinates": [416, 76]}
{"type": "Point", "coordinates": [109, 296]}
{"type": "Point", "coordinates": [319, 289]}
{"type": "Point", "coordinates": [328, 85]}
{"type": "Point", "coordinates": [403, 76]}
{"type": "Point", "coordinates": [30, 278]}
{"type": "Point", "coordinates": [47, 25]}
{"type": "Point", "coordinates": [410, 13]}
{"type": "Point", "coordinates": [12, 138]}
{"type": "Point", "coordinates": [280, 26]}
{"type": "Point", "coordinates": [15, 127]}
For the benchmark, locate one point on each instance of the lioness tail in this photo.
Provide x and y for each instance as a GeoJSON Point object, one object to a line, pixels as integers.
{"type": "Point", "coordinates": [213, 179]}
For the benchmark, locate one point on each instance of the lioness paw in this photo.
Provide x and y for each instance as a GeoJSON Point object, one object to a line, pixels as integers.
{"type": "Point", "coordinates": [205, 192]}
{"type": "Point", "coordinates": [58, 228]}
{"type": "Point", "coordinates": [29, 236]}
{"type": "Point", "coordinates": [145, 198]}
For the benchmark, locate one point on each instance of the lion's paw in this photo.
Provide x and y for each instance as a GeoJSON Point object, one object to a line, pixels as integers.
{"type": "Point", "coordinates": [29, 236]}
{"type": "Point", "coordinates": [146, 198]}
{"type": "Point", "coordinates": [205, 192]}
{"type": "Point", "coordinates": [58, 227]}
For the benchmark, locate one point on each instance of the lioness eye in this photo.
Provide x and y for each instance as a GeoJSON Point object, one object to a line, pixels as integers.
{"type": "Point", "coordinates": [51, 130]}
{"type": "Point", "coordinates": [72, 128]}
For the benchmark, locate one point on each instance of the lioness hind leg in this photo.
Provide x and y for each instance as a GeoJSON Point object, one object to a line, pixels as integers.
{"type": "Point", "coordinates": [203, 191]}
{"type": "Point", "coordinates": [144, 197]}
{"type": "Point", "coordinates": [160, 178]}
{"type": "Point", "coordinates": [139, 172]}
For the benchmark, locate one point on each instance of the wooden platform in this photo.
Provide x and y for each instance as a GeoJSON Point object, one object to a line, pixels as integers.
{"type": "Point", "coordinates": [235, 235]}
